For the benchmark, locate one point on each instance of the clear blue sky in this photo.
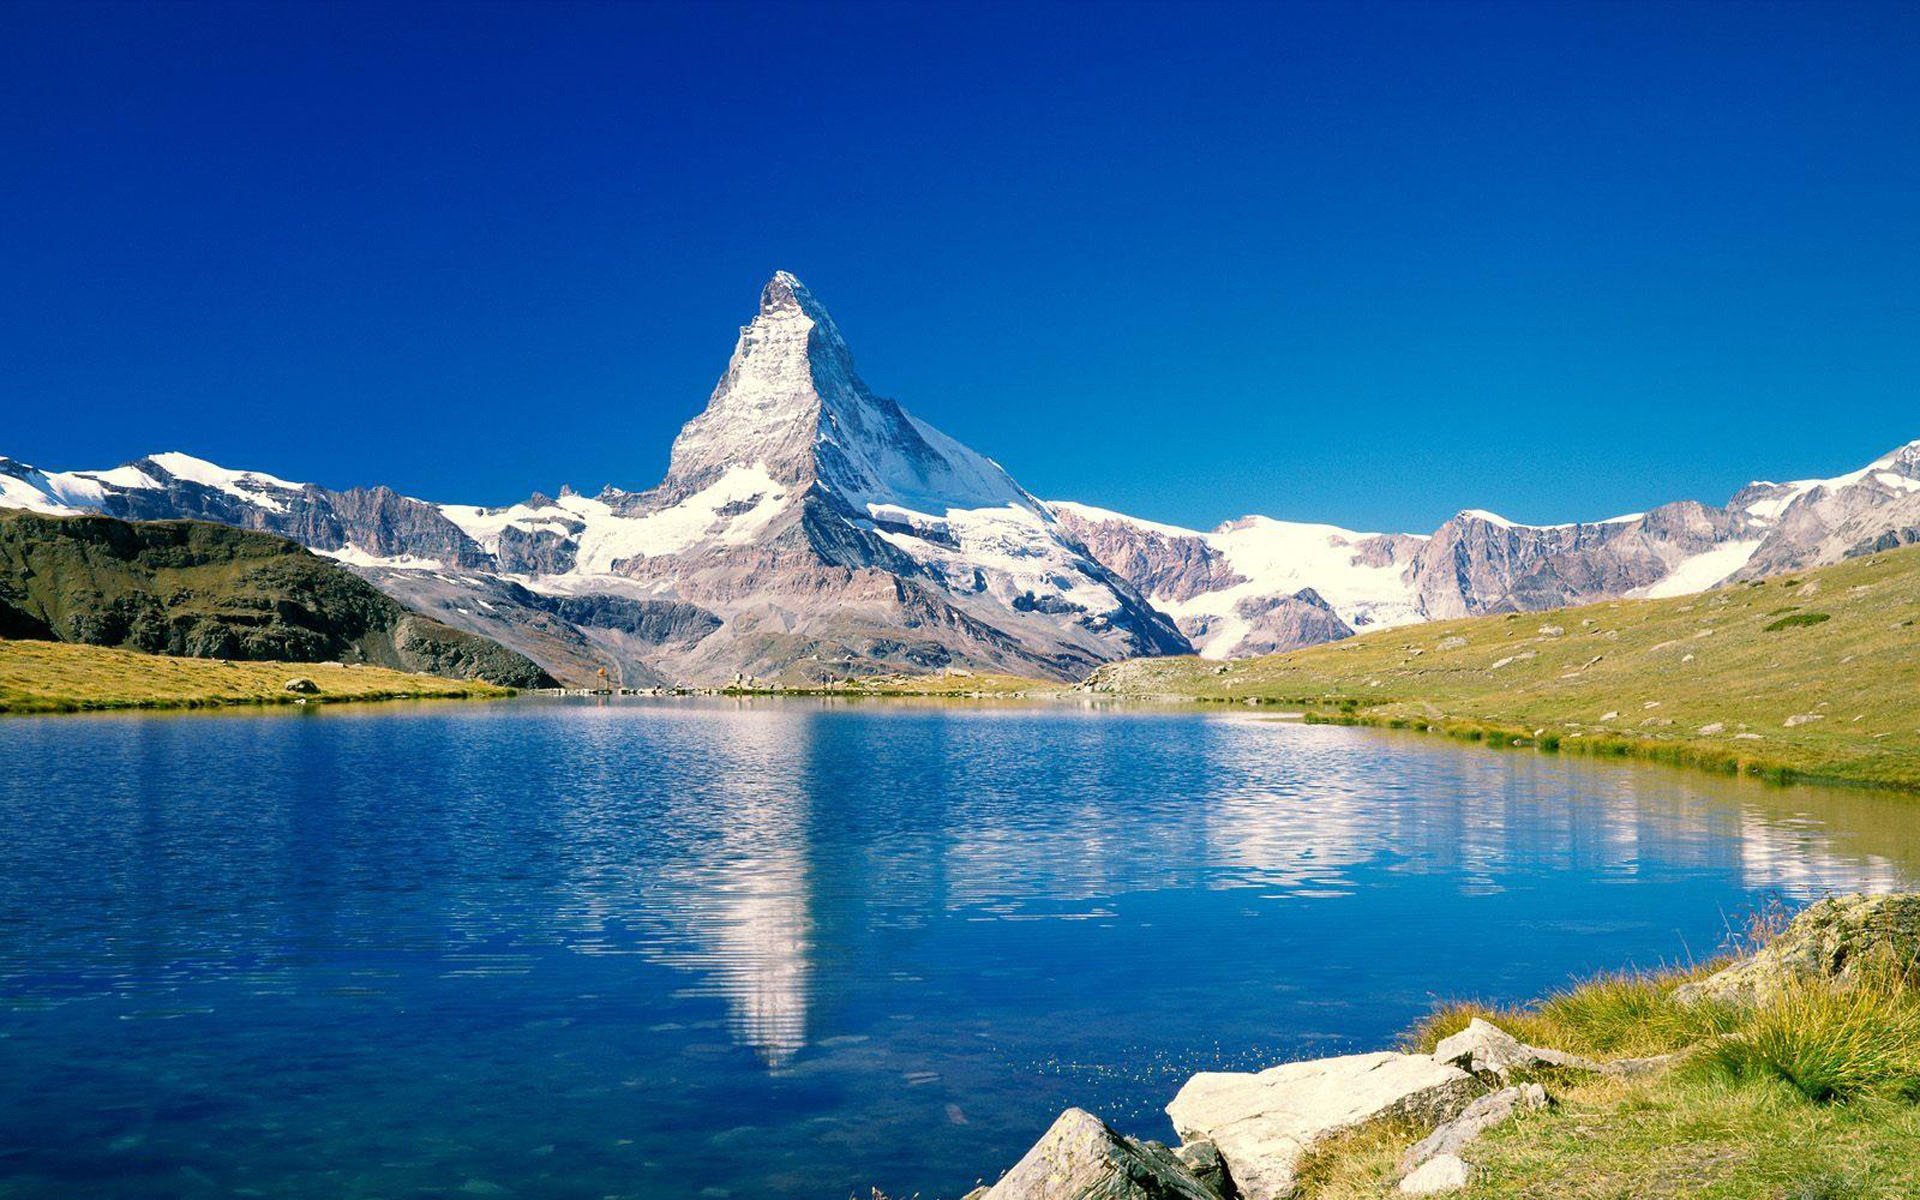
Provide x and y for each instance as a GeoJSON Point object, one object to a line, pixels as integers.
{"type": "Point", "coordinates": [1366, 263]}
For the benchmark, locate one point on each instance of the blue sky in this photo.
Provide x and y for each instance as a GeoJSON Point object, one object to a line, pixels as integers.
{"type": "Point", "coordinates": [1363, 263]}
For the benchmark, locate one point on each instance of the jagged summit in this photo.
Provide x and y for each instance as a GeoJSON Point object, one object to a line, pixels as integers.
{"type": "Point", "coordinates": [791, 404]}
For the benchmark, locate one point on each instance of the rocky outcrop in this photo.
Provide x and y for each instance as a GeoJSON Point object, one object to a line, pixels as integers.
{"type": "Point", "coordinates": [1452, 1138]}
{"type": "Point", "coordinates": [1276, 623]}
{"type": "Point", "coordinates": [382, 523]}
{"type": "Point", "coordinates": [1486, 1050]}
{"type": "Point", "coordinates": [1263, 1123]}
{"type": "Point", "coordinates": [1166, 564]}
{"type": "Point", "coordinates": [1080, 1158]}
{"type": "Point", "coordinates": [1837, 940]}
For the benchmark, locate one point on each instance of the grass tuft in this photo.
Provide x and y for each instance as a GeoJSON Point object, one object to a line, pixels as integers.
{"type": "Point", "coordinates": [1830, 1044]}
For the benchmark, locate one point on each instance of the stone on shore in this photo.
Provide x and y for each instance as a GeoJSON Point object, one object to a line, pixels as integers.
{"type": "Point", "coordinates": [1080, 1158]}
{"type": "Point", "coordinates": [1263, 1123]}
{"type": "Point", "coordinates": [1483, 1114]}
{"type": "Point", "coordinates": [1444, 1173]}
{"type": "Point", "coordinates": [1830, 941]}
{"type": "Point", "coordinates": [300, 684]}
{"type": "Point", "coordinates": [1203, 1159]}
{"type": "Point", "coordinates": [1484, 1048]}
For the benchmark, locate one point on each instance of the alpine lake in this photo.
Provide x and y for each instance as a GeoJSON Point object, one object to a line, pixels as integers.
{"type": "Point", "coordinates": [779, 947]}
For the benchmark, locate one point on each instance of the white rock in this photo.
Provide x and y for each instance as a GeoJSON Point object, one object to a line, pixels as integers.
{"type": "Point", "coordinates": [1484, 1048]}
{"type": "Point", "coordinates": [1446, 1173]}
{"type": "Point", "coordinates": [1263, 1123]}
{"type": "Point", "coordinates": [1483, 1114]}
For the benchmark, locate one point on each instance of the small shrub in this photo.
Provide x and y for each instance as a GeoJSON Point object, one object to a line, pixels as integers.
{"type": "Point", "coordinates": [1798, 619]}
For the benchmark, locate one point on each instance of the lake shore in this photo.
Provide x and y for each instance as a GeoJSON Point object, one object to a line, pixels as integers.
{"type": "Point", "coordinates": [1788, 1069]}
{"type": "Point", "coordinates": [57, 677]}
{"type": "Point", "coordinates": [1808, 678]}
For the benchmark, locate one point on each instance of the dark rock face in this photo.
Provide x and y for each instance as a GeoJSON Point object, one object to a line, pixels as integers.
{"type": "Point", "coordinates": [196, 589]}
{"type": "Point", "coordinates": [1474, 565]}
{"type": "Point", "coordinates": [535, 552]}
{"type": "Point", "coordinates": [656, 622]}
{"type": "Point", "coordinates": [382, 522]}
{"type": "Point", "coordinates": [1289, 622]}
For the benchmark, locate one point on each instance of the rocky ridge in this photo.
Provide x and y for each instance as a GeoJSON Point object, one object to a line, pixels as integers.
{"type": "Point", "coordinates": [809, 528]}
{"type": "Point", "coordinates": [1217, 585]}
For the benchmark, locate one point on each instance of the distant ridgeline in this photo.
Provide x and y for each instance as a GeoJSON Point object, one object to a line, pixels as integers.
{"type": "Point", "coordinates": [195, 589]}
{"type": "Point", "coordinates": [809, 529]}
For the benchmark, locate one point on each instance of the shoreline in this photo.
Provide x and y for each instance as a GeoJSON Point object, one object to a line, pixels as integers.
{"type": "Point", "coordinates": [1785, 1068]}
{"type": "Point", "coordinates": [60, 678]}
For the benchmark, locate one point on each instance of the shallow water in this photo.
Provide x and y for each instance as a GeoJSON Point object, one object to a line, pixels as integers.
{"type": "Point", "coordinates": [781, 948]}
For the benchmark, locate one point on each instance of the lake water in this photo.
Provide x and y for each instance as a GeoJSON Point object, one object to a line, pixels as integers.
{"type": "Point", "coordinates": [781, 948]}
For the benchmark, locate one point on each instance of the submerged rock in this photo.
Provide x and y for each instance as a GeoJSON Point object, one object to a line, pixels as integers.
{"type": "Point", "coordinates": [1080, 1158]}
{"type": "Point", "coordinates": [1830, 940]}
{"type": "Point", "coordinates": [1263, 1123]}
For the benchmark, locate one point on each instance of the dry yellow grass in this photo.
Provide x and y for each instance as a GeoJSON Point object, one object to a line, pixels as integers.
{"type": "Point", "coordinates": [58, 677]}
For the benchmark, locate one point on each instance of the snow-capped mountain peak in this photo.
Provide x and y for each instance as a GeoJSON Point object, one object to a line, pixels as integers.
{"type": "Point", "coordinates": [792, 404]}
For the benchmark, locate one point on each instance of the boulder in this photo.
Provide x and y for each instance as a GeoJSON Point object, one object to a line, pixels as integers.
{"type": "Point", "coordinates": [1483, 1114]}
{"type": "Point", "coordinates": [305, 687]}
{"type": "Point", "coordinates": [1486, 1049]}
{"type": "Point", "coordinates": [1263, 1123]}
{"type": "Point", "coordinates": [1443, 1173]}
{"type": "Point", "coordinates": [1080, 1158]}
{"type": "Point", "coordinates": [1828, 941]}
{"type": "Point", "coordinates": [1203, 1159]}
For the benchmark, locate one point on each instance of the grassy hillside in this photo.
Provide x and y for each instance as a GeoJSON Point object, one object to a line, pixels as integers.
{"type": "Point", "coordinates": [200, 590]}
{"type": "Point", "coordinates": [1815, 675]}
{"type": "Point", "coordinates": [56, 677]}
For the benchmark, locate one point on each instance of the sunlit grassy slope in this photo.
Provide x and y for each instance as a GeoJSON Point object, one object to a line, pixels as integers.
{"type": "Point", "coordinates": [58, 677]}
{"type": "Point", "coordinates": [1815, 675]}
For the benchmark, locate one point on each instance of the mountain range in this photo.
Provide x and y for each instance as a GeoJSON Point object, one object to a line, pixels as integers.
{"type": "Point", "coordinates": [808, 528]}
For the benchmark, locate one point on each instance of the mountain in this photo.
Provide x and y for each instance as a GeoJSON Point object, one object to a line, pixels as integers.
{"type": "Point", "coordinates": [806, 528]}
{"type": "Point", "coordinates": [809, 528]}
{"type": "Point", "coordinates": [194, 589]}
{"type": "Point", "coordinates": [1237, 591]}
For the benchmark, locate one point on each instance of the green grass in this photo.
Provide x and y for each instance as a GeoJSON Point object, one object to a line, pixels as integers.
{"type": "Point", "coordinates": [39, 677]}
{"type": "Point", "coordinates": [1717, 681]}
{"type": "Point", "coordinates": [1811, 1095]}
{"type": "Point", "coordinates": [1797, 620]}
